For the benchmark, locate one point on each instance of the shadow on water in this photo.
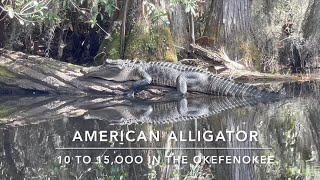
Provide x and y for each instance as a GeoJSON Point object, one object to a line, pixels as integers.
{"type": "Point", "coordinates": [34, 128]}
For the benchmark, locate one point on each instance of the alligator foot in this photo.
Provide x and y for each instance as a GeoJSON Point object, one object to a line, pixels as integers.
{"type": "Point", "coordinates": [130, 94]}
{"type": "Point", "coordinates": [182, 95]}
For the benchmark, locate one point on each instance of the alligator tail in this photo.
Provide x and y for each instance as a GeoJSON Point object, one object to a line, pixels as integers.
{"type": "Point", "coordinates": [227, 87]}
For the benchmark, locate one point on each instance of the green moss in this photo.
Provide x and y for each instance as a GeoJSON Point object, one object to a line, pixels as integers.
{"type": "Point", "coordinates": [151, 44]}
{"type": "Point", "coordinates": [5, 112]}
{"type": "Point", "coordinates": [109, 47]}
{"type": "Point", "coordinates": [169, 53]}
{"type": "Point", "coordinates": [5, 73]}
{"type": "Point", "coordinates": [138, 42]}
{"type": "Point", "coordinates": [294, 171]}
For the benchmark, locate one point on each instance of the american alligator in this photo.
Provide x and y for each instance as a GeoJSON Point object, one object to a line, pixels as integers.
{"type": "Point", "coordinates": [183, 77]}
{"type": "Point", "coordinates": [161, 112]}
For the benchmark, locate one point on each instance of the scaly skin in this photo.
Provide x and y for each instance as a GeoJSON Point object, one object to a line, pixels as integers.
{"type": "Point", "coordinates": [183, 77]}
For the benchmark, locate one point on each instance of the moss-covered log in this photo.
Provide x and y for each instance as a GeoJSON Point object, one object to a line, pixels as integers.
{"type": "Point", "coordinates": [22, 73]}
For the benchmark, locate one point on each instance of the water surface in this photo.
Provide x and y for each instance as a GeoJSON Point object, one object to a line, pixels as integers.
{"type": "Point", "coordinates": [35, 129]}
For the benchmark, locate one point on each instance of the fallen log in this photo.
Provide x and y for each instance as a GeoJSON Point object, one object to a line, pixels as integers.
{"type": "Point", "coordinates": [239, 72]}
{"type": "Point", "coordinates": [28, 74]}
{"type": "Point", "coordinates": [206, 54]}
{"type": "Point", "coordinates": [217, 57]}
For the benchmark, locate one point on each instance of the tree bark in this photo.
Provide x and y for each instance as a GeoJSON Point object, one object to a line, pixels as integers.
{"type": "Point", "coordinates": [228, 18]}
{"type": "Point", "coordinates": [229, 25]}
{"type": "Point", "coordinates": [3, 15]}
{"type": "Point", "coordinates": [311, 34]}
{"type": "Point", "coordinates": [179, 27]}
{"type": "Point", "coordinates": [312, 22]}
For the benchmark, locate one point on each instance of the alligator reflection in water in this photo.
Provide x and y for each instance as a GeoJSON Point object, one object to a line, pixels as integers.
{"type": "Point", "coordinates": [289, 127]}
{"type": "Point", "coordinates": [21, 110]}
{"type": "Point", "coordinates": [168, 111]}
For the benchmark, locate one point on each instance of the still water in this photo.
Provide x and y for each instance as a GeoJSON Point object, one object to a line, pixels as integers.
{"type": "Point", "coordinates": [43, 137]}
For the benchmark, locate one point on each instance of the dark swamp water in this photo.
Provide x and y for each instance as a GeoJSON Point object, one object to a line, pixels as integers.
{"type": "Point", "coordinates": [34, 129]}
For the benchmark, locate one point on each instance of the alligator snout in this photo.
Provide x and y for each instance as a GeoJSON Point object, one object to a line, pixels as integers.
{"type": "Point", "coordinates": [88, 70]}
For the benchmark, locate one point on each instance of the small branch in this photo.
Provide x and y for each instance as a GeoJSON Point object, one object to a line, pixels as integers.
{"type": "Point", "coordinates": [192, 29]}
{"type": "Point", "coordinates": [123, 28]}
{"type": "Point", "coordinates": [79, 9]}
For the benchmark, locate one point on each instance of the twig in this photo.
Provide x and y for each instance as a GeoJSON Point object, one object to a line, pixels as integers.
{"type": "Point", "coordinates": [75, 6]}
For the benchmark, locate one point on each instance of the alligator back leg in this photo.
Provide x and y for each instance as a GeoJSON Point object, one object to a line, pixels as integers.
{"type": "Point", "coordinates": [182, 84]}
{"type": "Point", "coordinates": [191, 79]}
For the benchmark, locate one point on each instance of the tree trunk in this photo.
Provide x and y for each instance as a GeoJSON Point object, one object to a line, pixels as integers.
{"type": "Point", "coordinates": [179, 27]}
{"type": "Point", "coordinates": [2, 26]}
{"type": "Point", "coordinates": [312, 35]}
{"type": "Point", "coordinates": [229, 25]}
{"type": "Point", "coordinates": [312, 21]}
{"type": "Point", "coordinates": [228, 19]}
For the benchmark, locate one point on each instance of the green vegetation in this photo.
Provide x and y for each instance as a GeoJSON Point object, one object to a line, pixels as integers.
{"type": "Point", "coordinates": [190, 5]}
{"type": "Point", "coordinates": [54, 12]}
{"type": "Point", "coordinates": [116, 172]}
{"type": "Point", "coordinates": [151, 43]}
{"type": "Point", "coordinates": [56, 28]}
{"type": "Point", "coordinates": [4, 111]}
{"type": "Point", "coordinates": [268, 37]}
{"type": "Point", "coordinates": [109, 47]}
{"type": "Point", "coordinates": [251, 54]}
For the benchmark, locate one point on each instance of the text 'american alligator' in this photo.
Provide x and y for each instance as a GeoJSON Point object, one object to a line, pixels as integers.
{"type": "Point", "coordinates": [183, 77]}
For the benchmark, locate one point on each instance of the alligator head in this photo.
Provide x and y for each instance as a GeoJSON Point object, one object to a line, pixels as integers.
{"type": "Point", "coordinates": [113, 70]}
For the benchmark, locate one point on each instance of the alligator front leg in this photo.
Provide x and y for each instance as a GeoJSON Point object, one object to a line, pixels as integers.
{"type": "Point", "coordinates": [138, 85]}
